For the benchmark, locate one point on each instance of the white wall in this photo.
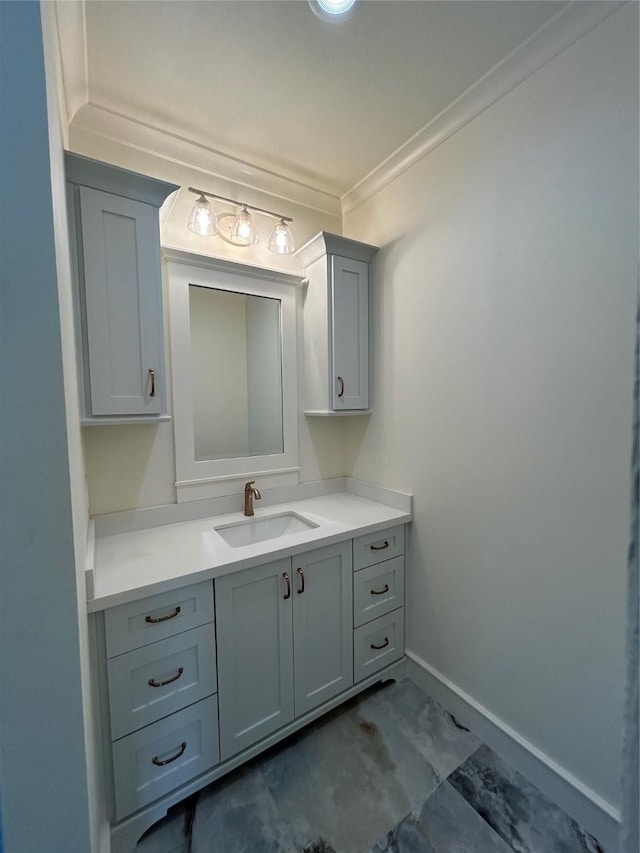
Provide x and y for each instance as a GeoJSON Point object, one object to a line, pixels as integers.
{"type": "Point", "coordinates": [45, 748]}
{"type": "Point", "coordinates": [504, 330]}
{"type": "Point", "coordinates": [131, 467]}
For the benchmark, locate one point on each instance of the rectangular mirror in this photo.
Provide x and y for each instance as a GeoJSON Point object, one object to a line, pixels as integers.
{"type": "Point", "coordinates": [234, 375]}
{"type": "Point", "coordinates": [236, 364]}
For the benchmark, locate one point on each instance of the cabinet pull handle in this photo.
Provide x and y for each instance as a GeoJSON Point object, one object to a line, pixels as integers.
{"type": "Point", "coordinates": [380, 547]}
{"type": "Point", "coordinates": [341, 391]}
{"type": "Point", "coordinates": [154, 683]}
{"type": "Point", "coordinates": [152, 374]}
{"type": "Point", "coordinates": [381, 591]}
{"type": "Point", "coordinates": [153, 620]}
{"type": "Point", "coordinates": [301, 573]}
{"type": "Point", "coordinates": [288, 593]}
{"type": "Point", "coordinates": [386, 643]}
{"type": "Point", "coordinates": [175, 757]}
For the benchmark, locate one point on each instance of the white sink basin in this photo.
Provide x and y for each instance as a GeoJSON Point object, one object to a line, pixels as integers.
{"type": "Point", "coordinates": [253, 530]}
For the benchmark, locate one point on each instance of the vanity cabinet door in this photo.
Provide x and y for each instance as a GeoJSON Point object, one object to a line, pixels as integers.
{"type": "Point", "coordinates": [255, 654]}
{"type": "Point", "coordinates": [350, 333]}
{"type": "Point", "coordinates": [322, 625]}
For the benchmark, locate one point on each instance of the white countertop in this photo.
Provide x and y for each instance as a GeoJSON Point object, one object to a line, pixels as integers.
{"type": "Point", "coordinates": [133, 565]}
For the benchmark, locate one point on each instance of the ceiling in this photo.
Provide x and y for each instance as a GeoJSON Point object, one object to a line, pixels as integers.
{"type": "Point", "coordinates": [268, 83]}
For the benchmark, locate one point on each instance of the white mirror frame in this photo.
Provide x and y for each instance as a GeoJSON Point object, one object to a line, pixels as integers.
{"type": "Point", "coordinates": [209, 478]}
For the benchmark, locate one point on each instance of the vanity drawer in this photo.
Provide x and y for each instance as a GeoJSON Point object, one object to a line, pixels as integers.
{"type": "Point", "coordinates": [155, 680]}
{"type": "Point", "coordinates": [376, 547]}
{"type": "Point", "coordinates": [377, 644]}
{"type": "Point", "coordinates": [160, 757]}
{"type": "Point", "coordinates": [378, 590]}
{"type": "Point", "coordinates": [138, 623]}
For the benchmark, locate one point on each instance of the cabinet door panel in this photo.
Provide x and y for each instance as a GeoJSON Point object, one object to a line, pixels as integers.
{"type": "Point", "coordinates": [119, 247]}
{"type": "Point", "coordinates": [322, 625]}
{"type": "Point", "coordinates": [255, 655]}
{"type": "Point", "coordinates": [350, 339]}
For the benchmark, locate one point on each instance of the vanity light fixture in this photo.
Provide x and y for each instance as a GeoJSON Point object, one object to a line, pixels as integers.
{"type": "Point", "coordinates": [238, 229]}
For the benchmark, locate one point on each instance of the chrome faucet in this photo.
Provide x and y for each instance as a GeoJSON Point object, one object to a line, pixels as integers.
{"type": "Point", "coordinates": [249, 493]}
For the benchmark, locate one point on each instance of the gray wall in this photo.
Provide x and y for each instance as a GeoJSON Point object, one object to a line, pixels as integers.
{"type": "Point", "coordinates": [42, 740]}
{"type": "Point", "coordinates": [504, 332]}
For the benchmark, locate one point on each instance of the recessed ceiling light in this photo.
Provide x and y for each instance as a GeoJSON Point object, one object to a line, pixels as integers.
{"type": "Point", "coordinates": [329, 10]}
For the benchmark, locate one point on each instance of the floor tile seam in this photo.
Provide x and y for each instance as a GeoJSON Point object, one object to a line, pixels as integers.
{"type": "Point", "coordinates": [472, 805]}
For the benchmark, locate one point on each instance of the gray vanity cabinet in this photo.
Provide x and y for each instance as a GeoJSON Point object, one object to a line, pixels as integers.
{"type": "Point", "coordinates": [336, 324]}
{"type": "Point", "coordinates": [115, 239]}
{"type": "Point", "coordinates": [283, 624]}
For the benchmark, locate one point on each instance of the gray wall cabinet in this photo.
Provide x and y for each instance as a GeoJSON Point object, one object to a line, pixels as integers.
{"type": "Point", "coordinates": [336, 325]}
{"type": "Point", "coordinates": [115, 241]}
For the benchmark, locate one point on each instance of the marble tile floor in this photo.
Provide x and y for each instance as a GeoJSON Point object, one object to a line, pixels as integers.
{"type": "Point", "coordinates": [388, 772]}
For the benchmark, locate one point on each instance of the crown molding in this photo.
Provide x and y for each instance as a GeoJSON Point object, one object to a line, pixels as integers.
{"type": "Point", "coordinates": [558, 33]}
{"type": "Point", "coordinates": [71, 35]}
{"type": "Point", "coordinates": [100, 122]}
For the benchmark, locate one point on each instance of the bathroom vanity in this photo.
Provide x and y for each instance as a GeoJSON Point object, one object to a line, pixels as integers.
{"type": "Point", "coordinates": [210, 652]}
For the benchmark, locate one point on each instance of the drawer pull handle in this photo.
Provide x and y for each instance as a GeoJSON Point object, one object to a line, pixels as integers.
{"type": "Point", "coordinates": [154, 683]}
{"type": "Point", "coordinates": [288, 592]}
{"type": "Point", "coordinates": [301, 573]}
{"type": "Point", "coordinates": [380, 547]}
{"type": "Point", "coordinates": [153, 620]}
{"type": "Point", "coordinates": [380, 591]}
{"type": "Point", "coordinates": [175, 757]}
{"type": "Point", "coordinates": [384, 645]}
{"type": "Point", "coordinates": [152, 375]}
{"type": "Point", "coordinates": [341, 391]}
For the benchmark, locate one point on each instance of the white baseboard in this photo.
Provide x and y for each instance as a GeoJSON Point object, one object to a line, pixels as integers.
{"type": "Point", "coordinates": [590, 810]}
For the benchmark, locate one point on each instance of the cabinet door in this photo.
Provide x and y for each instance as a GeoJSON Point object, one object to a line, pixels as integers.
{"type": "Point", "coordinates": [123, 307]}
{"type": "Point", "coordinates": [322, 625]}
{"type": "Point", "coordinates": [255, 654]}
{"type": "Point", "coordinates": [350, 333]}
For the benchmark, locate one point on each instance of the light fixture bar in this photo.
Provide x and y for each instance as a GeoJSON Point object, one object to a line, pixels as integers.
{"type": "Point", "coordinates": [241, 204]}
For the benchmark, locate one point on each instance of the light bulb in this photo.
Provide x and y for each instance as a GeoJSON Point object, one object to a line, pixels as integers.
{"type": "Point", "coordinates": [281, 239]}
{"type": "Point", "coordinates": [203, 220]}
{"type": "Point", "coordinates": [244, 231]}
{"type": "Point", "coordinates": [331, 10]}
{"type": "Point", "coordinates": [336, 7]}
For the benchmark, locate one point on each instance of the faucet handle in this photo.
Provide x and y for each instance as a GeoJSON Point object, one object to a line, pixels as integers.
{"type": "Point", "coordinates": [247, 486]}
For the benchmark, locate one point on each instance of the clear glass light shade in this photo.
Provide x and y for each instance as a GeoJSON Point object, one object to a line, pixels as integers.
{"type": "Point", "coordinates": [243, 230]}
{"type": "Point", "coordinates": [281, 239]}
{"type": "Point", "coordinates": [203, 220]}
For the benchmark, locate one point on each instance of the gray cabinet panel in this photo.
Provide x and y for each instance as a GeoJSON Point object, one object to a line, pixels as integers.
{"type": "Point", "coordinates": [322, 625]}
{"type": "Point", "coordinates": [350, 333]}
{"type": "Point", "coordinates": [255, 655]}
{"type": "Point", "coordinates": [122, 310]}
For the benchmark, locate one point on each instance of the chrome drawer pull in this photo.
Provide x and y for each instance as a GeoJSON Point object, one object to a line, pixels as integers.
{"type": "Point", "coordinates": [154, 683]}
{"type": "Point", "coordinates": [381, 591]}
{"type": "Point", "coordinates": [301, 573]}
{"type": "Point", "coordinates": [288, 593]}
{"type": "Point", "coordinates": [153, 620]}
{"type": "Point", "coordinates": [175, 757]}
{"type": "Point", "coordinates": [386, 643]}
{"type": "Point", "coordinates": [380, 547]}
